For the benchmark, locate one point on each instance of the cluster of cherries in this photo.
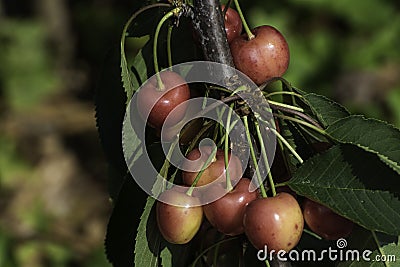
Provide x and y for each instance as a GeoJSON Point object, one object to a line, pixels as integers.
{"type": "Point", "coordinates": [276, 222]}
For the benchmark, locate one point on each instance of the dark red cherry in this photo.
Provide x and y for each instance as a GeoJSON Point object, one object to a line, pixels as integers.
{"type": "Point", "coordinates": [159, 103]}
{"type": "Point", "coordinates": [226, 214]}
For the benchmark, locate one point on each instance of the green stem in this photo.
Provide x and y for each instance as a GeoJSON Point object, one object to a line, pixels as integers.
{"type": "Point", "coordinates": [309, 125]}
{"type": "Point", "coordinates": [169, 51]}
{"type": "Point", "coordinates": [265, 158]}
{"type": "Point", "coordinates": [379, 246]}
{"type": "Point", "coordinates": [267, 95]}
{"type": "Point", "coordinates": [267, 263]}
{"type": "Point", "coordinates": [286, 143]}
{"type": "Point", "coordinates": [226, 148]}
{"type": "Point", "coordinates": [167, 164]}
{"type": "Point", "coordinates": [197, 137]}
{"type": "Point", "coordinates": [283, 140]}
{"type": "Point", "coordinates": [250, 35]}
{"type": "Point", "coordinates": [277, 104]}
{"type": "Point", "coordinates": [124, 63]}
{"type": "Point", "coordinates": [253, 157]}
{"type": "Point", "coordinates": [223, 137]}
{"type": "Point", "coordinates": [312, 234]}
{"type": "Point", "coordinates": [205, 165]}
{"type": "Point", "coordinates": [171, 13]}
{"type": "Point", "coordinates": [280, 184]}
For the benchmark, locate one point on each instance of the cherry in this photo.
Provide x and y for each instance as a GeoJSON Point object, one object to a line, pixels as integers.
{"type": "Point", "coordinates": [216, 170]}
{"type": "Point", "coordinates": [233, 23]}
{"type": "Point", "coordinates": [178, 223]}
{"type": "Point", "coordinates": [324, 222]}
{"type": "Point", "coordinates": [159, 103]}
{"type": "Point", "coordinates": [263, 57]}
{"type": "Point", "coordinates": [275, 222]}
{"type": "Point", "coordinates": [226, 214]}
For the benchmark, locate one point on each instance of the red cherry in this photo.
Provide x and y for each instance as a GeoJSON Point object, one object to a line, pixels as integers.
{"type": "Point", "coordinates": [159, 103]}
{"type": "Point", "coordinates": [324, 222]}
{"type": "Point", "coordinates": [226, 214]}
{"type": "Point", "coordinates": [216, 170]}
{"type": "Point", "coordinates": [233, 23]}
{"type": "Point", "coordinates": [263, 57]}
{"type": "Point", "coordinates": [275, 222]}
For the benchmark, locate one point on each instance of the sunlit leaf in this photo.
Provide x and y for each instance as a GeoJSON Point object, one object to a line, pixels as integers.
{"type": "Point", "coordinates": [328, 179]}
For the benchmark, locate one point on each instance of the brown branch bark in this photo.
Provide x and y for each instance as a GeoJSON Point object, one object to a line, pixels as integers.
{"type": "Point", "coordinates": [208, 23]}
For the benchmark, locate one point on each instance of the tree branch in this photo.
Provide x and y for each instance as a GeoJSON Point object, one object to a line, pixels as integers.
{"type": "Point", "coordinates": [208, 23]}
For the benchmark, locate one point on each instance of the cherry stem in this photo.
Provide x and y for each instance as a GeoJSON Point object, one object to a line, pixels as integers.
{"type": "Point", "coordinates": [167, 164]}
{"type": "Point", "coordinates": [205, 165]}
{"type": "Point", "coordinates": [267, 95]}
{"type": "Point", "coordinates": [169, 38]}
{"type": "Point", "coordinates": [253, 157]}
{"type": "Point", "coordinates": [290, 109]}
{"type": "Point", "coordinates": [226, 149]}
{"type": "Point", "coordinates": [312, 234]}
{"type": "Point", "coordinates": [285, 159]}
{"type": "Point", "coordinates": [197, 137]}
{"type": "Point", "coordinates": [128, 23]}
{"type": "Point", "coordinates": [265, 158]}
{"type": "Point", "coordinates": [280, 184]}
{"type": "Point", "coordinates": [250, 35]}
{"type": "Point", "coordinates": [171, 13]}
{"type": "Point", "coordinates": [267, 263]}
{"type": "Point", "coordinates": [285, 107]}
{"type": "Point", "coordinates": [286, 143]}
{"type": "Point", "coordinates": [309, 125]}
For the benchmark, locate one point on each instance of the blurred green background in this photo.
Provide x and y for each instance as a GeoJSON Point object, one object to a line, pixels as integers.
{"type": "Point", "coordinates": [54, 203]}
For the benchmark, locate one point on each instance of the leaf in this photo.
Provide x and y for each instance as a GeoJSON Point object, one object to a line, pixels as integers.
{"type": "Point", "coordinates": [148, 239]}
{"type": "Point", "coordinates": [138, 71]}
{"type": "Point", "coordinates": [328, 179]}
{"type": "Point", "coordinates": [390, 252]}
{"type": "Point", "coordinates": [326, 110]}
{"type": "Point", "coordinates": [121, 229]}
{"type": "Point", "coordinates": [132, 144]}
{"type": "Point", "coordinates": [371, 135]}
{"type": "Point", "coordinates": [141, 23]}
{"type": "Point", "coordinates": [110, 109]}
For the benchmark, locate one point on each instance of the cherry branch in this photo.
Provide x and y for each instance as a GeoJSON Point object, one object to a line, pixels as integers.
{"type": "Point", "coordinates": [208, 24]}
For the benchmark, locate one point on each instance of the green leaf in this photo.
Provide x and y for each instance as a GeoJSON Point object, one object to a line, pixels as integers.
{"type": "Point", "coordinates": [132, 144]}
{"type": "Point", "coordinates": [391, 252]}
{"type": "Point", "coordinates": [326, 110]}
{"type": "Point", "coordinates": [148, 239]}
{"type": "Point", "coordinates": [371, 135]}
{"type": "Point", "coordinates": [128, 79]}
{"type": "Point", "coordinates": [135, 74]}
{"type": "Point", "coordinates": [141, 23]}
{"type": "Point", "coordinates": [328, 179]}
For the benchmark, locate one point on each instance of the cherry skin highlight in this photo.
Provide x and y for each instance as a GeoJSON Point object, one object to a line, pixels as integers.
{"type": "Point", "coordinates": [263, 57]}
